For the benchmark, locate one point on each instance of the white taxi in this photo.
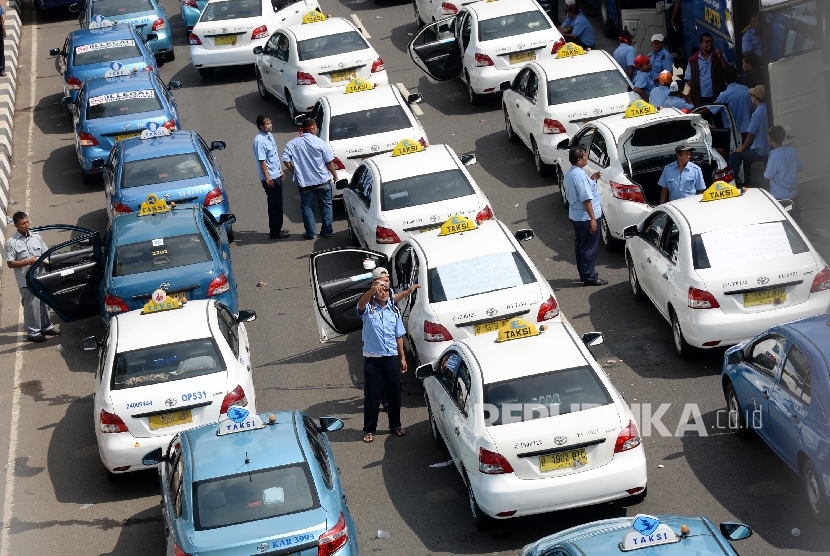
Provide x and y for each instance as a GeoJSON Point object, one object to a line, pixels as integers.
{"type": "Point", "coordinates": [485, 44]}
{"type": "Point", "coordinates": [631, 150]}
{"type": "Point", "coordinates": [550, 99]}
{"type": "Point", "coordinates": [163, 369]}
{"type": "Point", "coordinates": [228, 30]}
{"type": "Point", "coordinates": [321, 56]}
{"type": "Point", "coordinates": [472, 277]}
{"type": "Point", "coordinates": [725, 266]}
{"type": "Point", "coordinates": [410, 190]}
{"type": "Point", "coordinates": [532, 423]}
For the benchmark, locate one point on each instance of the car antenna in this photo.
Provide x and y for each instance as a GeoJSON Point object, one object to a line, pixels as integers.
{"type": "Point", "coordinates": [248, 462]}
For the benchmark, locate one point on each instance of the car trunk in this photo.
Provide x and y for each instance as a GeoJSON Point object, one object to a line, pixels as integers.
{"type": "Point", "coordinates": [135, 289]}
{"type": "Point", "coordinates": [576, 114]}
{"type": "Point", "coordinates": [514, 52]}
{"type": "Point", "coordinates": [422, 218]}
{"type": "Point", "coordinates": [226, 34]}
{"type": "Point", "coordinates": [191, 190]}
{"type": "Point", "coordinates": [352, 152]}
{"type": "Point", "coordinates": [88, 71]}
{"type": "Point", "coordinates": [109, 131]}
{"type": "Point", "coordinates": [646, 172]}
{"type": "Point", "coordinates": [349, 66]}
{"type": "Point", "coordinates": [143, 21]}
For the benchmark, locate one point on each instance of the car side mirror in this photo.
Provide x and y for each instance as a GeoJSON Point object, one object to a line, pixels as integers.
{"type": "Point", "coordinates": [504, 86]}
{"type": "Point", "coordinates": [298, 120]}
{"type": "Point", "coordinates": [153, 457]}
{"type": "Point", "coordinates": [525, 234]}
{"type": "Point", "coordinates": [735, 357]}
{"type": "Point", "coordinates": [90, 344]}
{"type": "Point", "coordinates": [217, 145]}
{"type": "Point", "coordinates": [331, 424]}
{"type": "Point", "coordinates": [414, 98]}
{"type": "Point", "coordinates": [630, 232]}
{"type": "Point", "coordinates": [592, 339]}
{"type": "Point", "coordinates": [257, 50]}
{"type": "Point", "coordinates": [227, 219]}
{"type": "Point", "coordinates": [98, 163]}
{"type": "Point", "coordinates": [67, 101]}
{"type": "Point", "coordinates": [174, 85]}
{"type": "Point", "coordinates": [74, 8]}
{"type": "Point", "coordinates": [152, 37]}
{"type": "Point", "coordinates": [246, 316]}
{"type": "Point", "coordinates": [786, 204]}
{"type": "Point", "coordinates": [341, 184]}
{"type": "Point", "coordinates": [735, 531]}
{"type": "Point", "coordinates": [424, 371]}
{"type": "Point", "coordinates": [468, 159]}
{"type": "Point", "coordinates": [564, 144]}
{"type": "Point", "coordinates": [54, 52]}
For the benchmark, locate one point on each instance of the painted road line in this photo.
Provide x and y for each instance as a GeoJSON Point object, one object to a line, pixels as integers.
{"type": "Point", "coordinates": [405, 92]}
{"type": "Point", "coordinates": [360, 26]}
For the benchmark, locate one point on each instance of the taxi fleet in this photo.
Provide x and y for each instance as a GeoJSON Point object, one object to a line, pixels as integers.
{"type": "Point", "coordinates": [148, 16]}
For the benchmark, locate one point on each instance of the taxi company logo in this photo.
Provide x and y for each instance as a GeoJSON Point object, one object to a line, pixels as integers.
{"type": "Point", "coordinates": [262, 547]}
{"type": "Point", "coordinates": [170, 402]}
{"type": "Point", "coordinates": [491, 311]}
{"type": "Point", "coordinates": [238, 414]}
{"type": "Point", "coordinates": [560, 440]}
{"type": "Point", "coordinates": [763, 280]}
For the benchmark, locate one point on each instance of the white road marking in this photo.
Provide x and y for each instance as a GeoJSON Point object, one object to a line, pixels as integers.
{"type": "Point", "coordinates": [405, 92]}
{"type": "Point", "coordinates": [360, 26]}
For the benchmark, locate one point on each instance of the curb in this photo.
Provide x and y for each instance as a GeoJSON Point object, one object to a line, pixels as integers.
{"type": "Point", "coordinates": [8, 91]}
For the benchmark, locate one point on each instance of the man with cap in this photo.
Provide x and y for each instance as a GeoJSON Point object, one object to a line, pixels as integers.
{"type": "Point", "coordinates": [271, 175]}
{"type": "Point", "coordinates": [682, 178]}
{"type": "Point", "coordinates": [642, 76]}
{"type": "Point", "coordinates": [705, 72]}
{"type": "Point", "coordinates": [659, 57]}
{"type": "Point", "coordinates": [584, 211]}
{"type": "Point", "coordinates": [625, 53]}
{"type": "Point", "coordinates": [660, 93]}
{"type": "Point", "coordinates": [737, 98]}
{"type": "Point", "coordinates": [676, 99]}
{"type": "Point", "coordinates": [577, 28]}
{"type": "Point", "coordinates": [782, 167]}
{"type": "Point", "coordinates": [755, 147]}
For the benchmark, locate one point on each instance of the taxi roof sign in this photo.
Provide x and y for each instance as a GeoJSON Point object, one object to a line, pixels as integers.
{"type": "Point", "coordinates": [358, 85]}
{"type": "Point", "coordinates": [160, 301]}
{"type": "Point", "coordinates": [407, 146]}
{"type": "Point", "coordinates": [720, 190]}
{"type": "Point", "coordinates": [457, 224]}
{"type": "Point", "coordinates": [518, 328]}
{"type": "Point", "coordinates": [153, 205]}
{"type": "Point", "coordinates": [648, 532]}
{"type": "Point", "coordinates": [570, 50]}
{"type": "Point", "coordinates": [239, 420]}
{"type": "Point", "coordinates": [639, 108]}
{"type": "Point", "coordinates": [313, 17]}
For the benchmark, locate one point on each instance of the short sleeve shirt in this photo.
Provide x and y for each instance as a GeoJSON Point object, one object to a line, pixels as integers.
{"type": "Point", "coordinates": [660, 61]}
{"type": "Point", "coordinates": [682, 184]}
{"type": "Point", "coordinates": [624, 55]}
{"type": "Point", "coordinates": [583, 31]}
{"type": "Point", "coordinates": [739, 101]}
{"type": "Point", "coordinates": [759, 127]}
{"type": "Point", "coordinates": [382, 326]}
{"type": "Point", "coordinates": [265, 149]}
{"type": "Point", "coordinates": [20, 248]}
{"type": "Point", "coordinates": [578, 189]}
{"type": "Point", "coordinates": [642, 80]}
{"type": "Point", "coordinates": [751, 42]}
{"type": "Point", "coordinates": [309, 154]}
{"type": "Point", "coordinates": [677, 102]}
{"type": "Point", "coordinates": [658, 96]}
{"type": "Point", "coordinates": [782, 167]}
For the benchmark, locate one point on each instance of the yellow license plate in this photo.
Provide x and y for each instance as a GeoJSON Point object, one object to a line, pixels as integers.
{"type": "Point", "coordinates": [170, 419]}
{"type": "Point", "coordinates": [487, 327]}
{"type": "Point", "coordinates": [125, 136]}
{"type": "Point", "coordinates": [522, 57]}
{"type": "Point", "coordinates": [563, 460]}
{"type": "Point", "coordinates": [343, 76]}
{"type": "Point", "coordinates": [180, 297]}
{"type": "Point", "coordinates": [223, 40]}
{"type": "Point", "coordinates": [766, 297]}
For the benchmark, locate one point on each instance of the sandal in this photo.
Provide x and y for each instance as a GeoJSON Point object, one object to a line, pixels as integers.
{"type": "Point", "coordinates": [368, 437]}
{"type": "Point", "coordinates": [399, 432]}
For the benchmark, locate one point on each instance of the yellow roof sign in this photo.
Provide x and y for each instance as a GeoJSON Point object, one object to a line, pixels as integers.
{"type": "Point", "coordinates": [570, 50]}
{"type": "Point", "coordinates": [639, 108]}
{"type": "Point", "coordinates": [358, 85]}
{"type": "Point", "coordinates": [153, 205]}
{"type": "Point", "coordinates": [517, 328]}
{"type": "Point", "coordinates": [720, 190]}
{"type": "Point", "coordinates": [314, 16]}
{"type": "Point", "coordinates": [457, 224]}
{"type": "Point", "coordinates": [159, 302]}
{"type": "Point", "coordinates": [407, 146]}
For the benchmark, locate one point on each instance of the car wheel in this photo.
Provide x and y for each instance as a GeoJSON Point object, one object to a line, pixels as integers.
{"type": "Point", "coordinates": [352, 236]}
{"type": "Point", "coordinates": [206, 73]}
{"type": "Point", "coordinates": [475, 98]}
{"type": "Point", "coordinates": [418, 21]}
{"type": "Point", "coordinates": [230, 234]}
{"type": "Point", "coordinates": [684, 350]}
{"type": "Point", "coordinates": [609, 29]}
{"type": "Point", "coordinates": [90, 179]}
{"type": "Point", "coordinates": [737, 419]}
{"type": "Point", "coordinates": [170, 56]}
{"type": "Point", "coordinates": [292, 110]}
{"type": "Point", "coordinates": [636, 290]}
{"type": "Point", "coordinates": [436, 434]}
{"type": "Point", "coordinates": [508, 128]}
{"type": "Point", "coordinates": [541, 168]}
{"type": "Point", "coordinates": [609, 242]}
{"type": "Point", "coordinates": [560, 178]}
{"type": "Point", "coordinates": [815, 494]}
{"type": "Point", "coordinates": [634, 500]}
{"type": "Point", "coordinates": [481, 520]}
{"type": "Point", "coordinates": [260, 87]}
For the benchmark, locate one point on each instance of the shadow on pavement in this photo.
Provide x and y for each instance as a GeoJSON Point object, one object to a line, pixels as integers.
{"type": "Point", "coordinates": [145, 530]}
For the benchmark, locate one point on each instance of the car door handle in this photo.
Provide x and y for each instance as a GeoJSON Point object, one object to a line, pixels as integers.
{"type": "Point", "coordinates": [457, 432]}
{"type": "Point", "coordinates": [517, 105]}
{"type": "Point", "coordinates": [442, 407]}
{"type": "Point", "coordinates": [765, 393]}
{"type": "Point", "coordinates": [794, 419]}
{"type": "Point", "coordinates": [528, 114]}
{"type": "Point", "coordinates": [648, 260]}
{"type": "Point", "coordinates": [665, 276]}
{"type": "Point", "coordinates": [361, 219]}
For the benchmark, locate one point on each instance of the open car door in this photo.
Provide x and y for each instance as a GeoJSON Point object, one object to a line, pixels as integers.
{"type": "Point", "coordinates": [67, 276]}
{"type": "Point", "coordinates": [436, 50]}
{"type": "Point", "coordinates": [725, 136]}
{"type": "Point", "coordinates": [338, 278]}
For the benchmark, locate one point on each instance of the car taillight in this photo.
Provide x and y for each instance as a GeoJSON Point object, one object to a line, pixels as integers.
{"type": "Point", "coordinates": [87, 139]}
{"type": "Point", "coordinates": [423, 142]}
{"type": "Point", "coordinates": [179, 551]}
{"type": "Point", "coordinates": [234, 397]}
{"type": "Point", "coordinates": [548, 310]}
{"type": "Point", "coordinates": [378, 65]}
{"type": "Point", "coordinates": [159, 25]}
{"type": "Point", "coordinates": [149, 68]}
{"type": "Point", "coordinates": [701, 299]}
{"type": "Point", "coordinates": [448, 9]}
{"type": "Point", "coordinates": [386, 236]}
{"type": "Point", "coordinates": [170, 125]}
{"type": "Point", "coordinates": [821, 282]}
{"type": "Point", "coordinates": [484, 214]}
{"type": "Point", "coordinates": [627, 192]}
{"type": "Point", "coordinates": [190, 3]}
{"type": "Point", "coordinates": [304, 78]}
{"type": "Point", "coordinates": [121, 208]}
{"type": "Point", "coordinates": [114, 304]}
{"type": "Point", "coordinates": [557, 45]}
{"type": "Point", "coordinates": [218, 286]}
{"type": "Point", "coordinates": [73, 84]}
{"type": "Point", "coordinates": [338, 164]}
{"type": "Point", "coordinates": [726, 174]}
{"type": "Point", "coordinates": [552, 127]}
{"type": "Point", "coordinates": [628, 439]}
{"type": "Point", "coordinates": [483, 60]}
{"type": "Point", "coordinates": [260, 32]}
{"type": "Point", "coordinates": [434, 332]}
{"type": "Point", "coordinates": [334, 539]}
{"type": "Point", "coordinates": [214, 197]}
{"type": "Point", "coordinates": [492, 463]}
{"type": "Point", "coordinates": [110, 423]}
{"type": "Point", "coordinates": [194, 39]}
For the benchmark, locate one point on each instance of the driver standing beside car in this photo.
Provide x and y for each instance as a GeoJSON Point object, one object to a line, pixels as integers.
{"type": "Point", "coordinates": [584, 210]}
{"type": "Point", "coordinates": [682, 178]}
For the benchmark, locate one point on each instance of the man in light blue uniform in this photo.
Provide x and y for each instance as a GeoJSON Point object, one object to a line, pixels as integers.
{"type": "Point", "coordinates": [751, 41]}
{"type": "Point", "coordinates": [755, 147]}
{"type": "Point", "coordinates": [642, 77]}
{"type": "Point", "coordinates": [577, 28]}
{"type": "Point", "coordinates": [659, 57]}
{"type": "Point", "coordinates": [682, 178]}
{"type": "Point", "coordinates": [625, 53]}
{"type": "Point", "coordinates": [782, 167]}
{"type": "Point", "coordinates": [311, 161]}
{"type": "Point", "coordinates": [676, 100]}
{"type": "Point", "coordinates": [584, 210]}
{"type": "Point", "coordinates": [660, 93]}
{"type": "Point", "coordinates": [271, 175]}
{"type": "Point", "coordinates": [737, 98]}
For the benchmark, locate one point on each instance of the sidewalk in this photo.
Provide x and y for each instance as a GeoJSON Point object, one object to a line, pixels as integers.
{"type": "Point", "coordinates": [8, 89]}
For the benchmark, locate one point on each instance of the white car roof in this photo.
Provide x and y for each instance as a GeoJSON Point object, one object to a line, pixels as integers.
{"type": "Point", "coordinates": [592, 61]}
{"type": "Point", "coordinates": [382, 95]}
{"type": "Point", "coordinates": [435, 158]}
{"type": "Point", "coordinates": [500, 8]}
{"type": "Point", "coordinates": [491, 236]}
{"type": "Point", "coordinates": [330, 26]}
{"type": "Point", "coordinates": [619, 124]}
{"type": "Point", "coordinates": [137, 331]}
{"type": "Point", "coordinates": [753, 207]}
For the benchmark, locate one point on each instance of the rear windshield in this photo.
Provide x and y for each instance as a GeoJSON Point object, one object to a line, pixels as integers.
{"type": "Point", "coordinates": [663, 133]}
{"type": "Point", "coordinates": [587, 86]}
{"type": "Point", "coordinates": [109, 8]}
{"type": "Point", "coordinates": [255, 495]}
{"type": "Point", "coordinates": [159, 254]}
{"type": "Point", "coordinates": [331, 45]}
{"type": "Point", "coordinates": [368, 122]}
{"type": "Point", "coordinates": [122, 104]}
{"type": "Point", "coordinates": [759, 242]}
{"type": "Point", "coordinates": [510, 25]}
{"type": "Point", "coordinates": [232, 9]}
{"type": "Point", "coordinates": [424, 189]}
{"type": "Point", "coordinates": [544, 395]}
{"type": "Point", "coordinates": [479, 275]}
{"type": "Point", "coordinates": [108, 51]}
{"type": "Point", "coordinates": [162, 170]}
{"type": "Point", "coordinates": [166, 363]}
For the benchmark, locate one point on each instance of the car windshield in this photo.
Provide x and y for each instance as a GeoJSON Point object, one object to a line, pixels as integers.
{"type": "Point", "coordinates": [543, 395]}
{"type": "Point", "coordinates": [762, 242]}
{"type": "Point", "coordinates": [368, 122]}
{"type": "Point", "coordinates": [424, 189]}
{"type": "Point", "coordinates": [122, 104]}
{"type": "Point", "coordinates": [165, 363]}
{"type": "Point", "coordinates": [162, 170]}
{"type": "Point", "coordinates": [232, 9]}
{"type": "Point", "coordinates": [331, 45]}
{"type": "Point", "coordinates": [586, 86]}
{"type": "Point", "coordinates": [255, 495]}
{"type": "Point", "coordinates": [159, 254]}
{"type": "Point", "coordinates": [108, 8]}
{"type": "Point", "coordinates": [108, 51]}
{"type": "Point", "coordinates": [479, 275]}
{"type": "Point", "coordinates": [510, 25]}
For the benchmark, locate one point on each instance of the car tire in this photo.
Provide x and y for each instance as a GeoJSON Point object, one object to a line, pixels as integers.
{"type": "Point", "coordinates": [437, 439]}
{"type": "Point", "coordinates": [508, 128]}
{"type": "Point", "coordinates": [481, 520]}
{"type": "Point", "coordinates": [418, 21]}
{"type": "Point", "coordinates": [560, 178]}
{"type": "Point", "coordinates": [292, 110]}
{"type": "Point", "coordinates": [683, 349]}
{"type": "Point", "coordinates": [474, 97]}
{"type": "Point", "coordinates": [205, 73]}
{"type": "Point", "coordinates": [733, 407]}
{"type": "Point", "coordinates": [634, 500]}
{"type": "Point", "coordinates": [115, 477]}
{"type": "Point", "coordinates": [90, 179]}
{"type": "Point", "coordinates": [170, 56]}
{"type": "Point", "coordinates": [609, 242]}
{"type": "Point", "coordinates": [542, 169]}
{"type": "Point", "coordinates": [230, 234]}
{"type": "Point", "coordinates": [609, 29]}
{"type": "Point", "coordinates": [636, 289]}
{"type": "Point", "coordinates": [355, 241]}
{"type": "Point", "coordinates": [260, 87]}
{"type": "Point", "coordinates": [814, 487]}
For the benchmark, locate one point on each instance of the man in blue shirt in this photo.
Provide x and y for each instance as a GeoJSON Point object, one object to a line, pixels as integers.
{"type": "Point", "coordinates": [659, 57]}
{"type": "Point", "coordinates": [737, 98]}
{"type": "Point", "coordinates": [271, 175]}
{"type": "Point", "coordinates": [625, 53]}
{"type": "Point", "coordinates": [577, 28]}
{"type": "Point", "coordinates": [660, 93]}
{"type": "Point", "coordinates": [682, 178]}
{"type": "Point", "coordinates": [755, 147]}
{"type": "Point", "coordinates": [311, 161]}
{"type": "Point", "coordinates": [584, 210]}
{"type": "Point", "coordinates": [781, 170]}
{"type": "Point", "coordinates": [751, 41]}
{"type": "Point", "coordinates": [705, 71]}
{"type": "Point", "coordinates": [384, 358]}
{"type": "Point", "coordinates": [642, 77]}
{"type": "Point", "coordinates": [676, 100]}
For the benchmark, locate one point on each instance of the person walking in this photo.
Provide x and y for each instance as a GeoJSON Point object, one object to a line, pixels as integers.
{"type": "Point", "coordinates": [625, 53]}
{"type": "Point", "coordinates": [271, 174]}
{"type": "Point", "coordinates": [660, 93]}
{"type": "Point", "coordinates": [642, 77]}
{"type": "Point", "coordinates": [704, 73]}
{"type": "Point", "coordinates": [384, 359]}
{"type": "Point", "coordinates": [311, 161]}
{"type": "Point", "coordinates": [682, 178]}
{"type": "Point", "coordinates": [23, 249]}
{"type": "Point", "coordinates": [782, 167]}
{"type": "Point", "coordinates": [755, 147]}
{"type": "Point", "coordinates": [577, 28]}
{"type": "Point", "coordinates": [659, 57]}
{"type": "Point", "coordinates": [584, 210]}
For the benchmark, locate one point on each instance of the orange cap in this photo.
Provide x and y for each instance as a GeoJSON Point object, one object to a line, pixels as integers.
{"type": "Point", "coordinates": [665, 78]}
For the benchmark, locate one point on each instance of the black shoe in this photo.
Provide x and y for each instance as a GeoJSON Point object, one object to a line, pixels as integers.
{"type": "Point", "coordinates": [597, 282]}
{"type": "Point", "coordinates": [40, 338]}
{"type": "Point", "coordinates": [326, 235]}
{"type": "Point", "coordinates": [51, 332]}
{"type": "Point", "coordinates": [282, 235]}
{"type": "Point", "coordinates": [306, 236]}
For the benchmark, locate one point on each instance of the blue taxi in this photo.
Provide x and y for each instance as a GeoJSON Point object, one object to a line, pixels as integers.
{"type": "Point", "coordinates": [255, 484]}
{"type": "Point", "coordinates": [191, 10]}
{"type": "Point", "coordinates": [183, 250]}
{"type": "Point", "coordinates": [778, 385]}
{"type": "Point", "coordinates": [110, 51]}
{"type": "Point", "coordinates": [178, 167]}
{"type": "Point", "coordinates": [148, 16]}
{"type": "Point", "coordinates": [666, 535]}
{"type": "Point", "coordinates": [110, 109]}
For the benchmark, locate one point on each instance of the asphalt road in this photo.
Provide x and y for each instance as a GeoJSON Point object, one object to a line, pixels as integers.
{"type": "Point", "coordinates": [57, 499]}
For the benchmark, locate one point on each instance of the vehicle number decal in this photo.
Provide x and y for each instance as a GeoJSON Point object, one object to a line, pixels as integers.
{"type": "Point", "coordinates": [84, 48]}
{"type": "Point", "coordinates": [116, 97]}
{"type": "Point", "coordinates": [159, 252]}
{"type": "Point", "coordinates": [292, 541]}
{"type": "Point", "coordinates": [194, 396]}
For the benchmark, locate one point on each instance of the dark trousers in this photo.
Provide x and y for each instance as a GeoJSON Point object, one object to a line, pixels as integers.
{"type": "Point", "coordinates": [586, 246]}
{"type": "Point", "coordinates": [746, 159]}
{"type": "Point", "coordinates": [381, 375]}
{"type": "Point", "coordinates": [707, 100]}
{"type": "Point", "coordinates": [795, 212]}
{"type": "Point", "coordinates": [2, 49]}
{"type": "Point", "coordinates": [274, 206]}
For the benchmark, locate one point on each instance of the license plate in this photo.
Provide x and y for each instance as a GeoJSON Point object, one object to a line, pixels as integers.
{"type": "Point", "coordinates": [180, 297]}
{"type": "Point", "coordinates": [170, 419]}
{"type": "Point", "coordinates": [563, 460]}
{"type": "Point", "coordinates": [487, 327]}
{"type": "Point", "coordinates": [766, 297]}
{"type": "Point", "coordinates": [522, 57]}
{"type": "Point", "coordinates": [343, 76]}
{"type": "Point", "coordinates": [223, 40]}
{"type": "Point", "coordinates": [125, 136]}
